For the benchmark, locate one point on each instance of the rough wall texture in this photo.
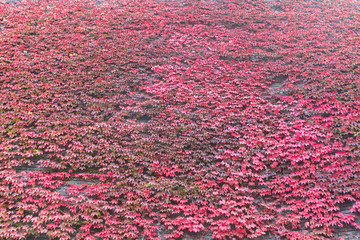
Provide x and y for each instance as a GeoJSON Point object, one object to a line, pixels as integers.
{"type": "Point", "coordinates": [348, 233]}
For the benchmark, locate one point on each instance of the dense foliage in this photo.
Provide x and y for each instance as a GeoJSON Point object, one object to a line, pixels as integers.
{"type": "Point", "coordinates": [140, 119]}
